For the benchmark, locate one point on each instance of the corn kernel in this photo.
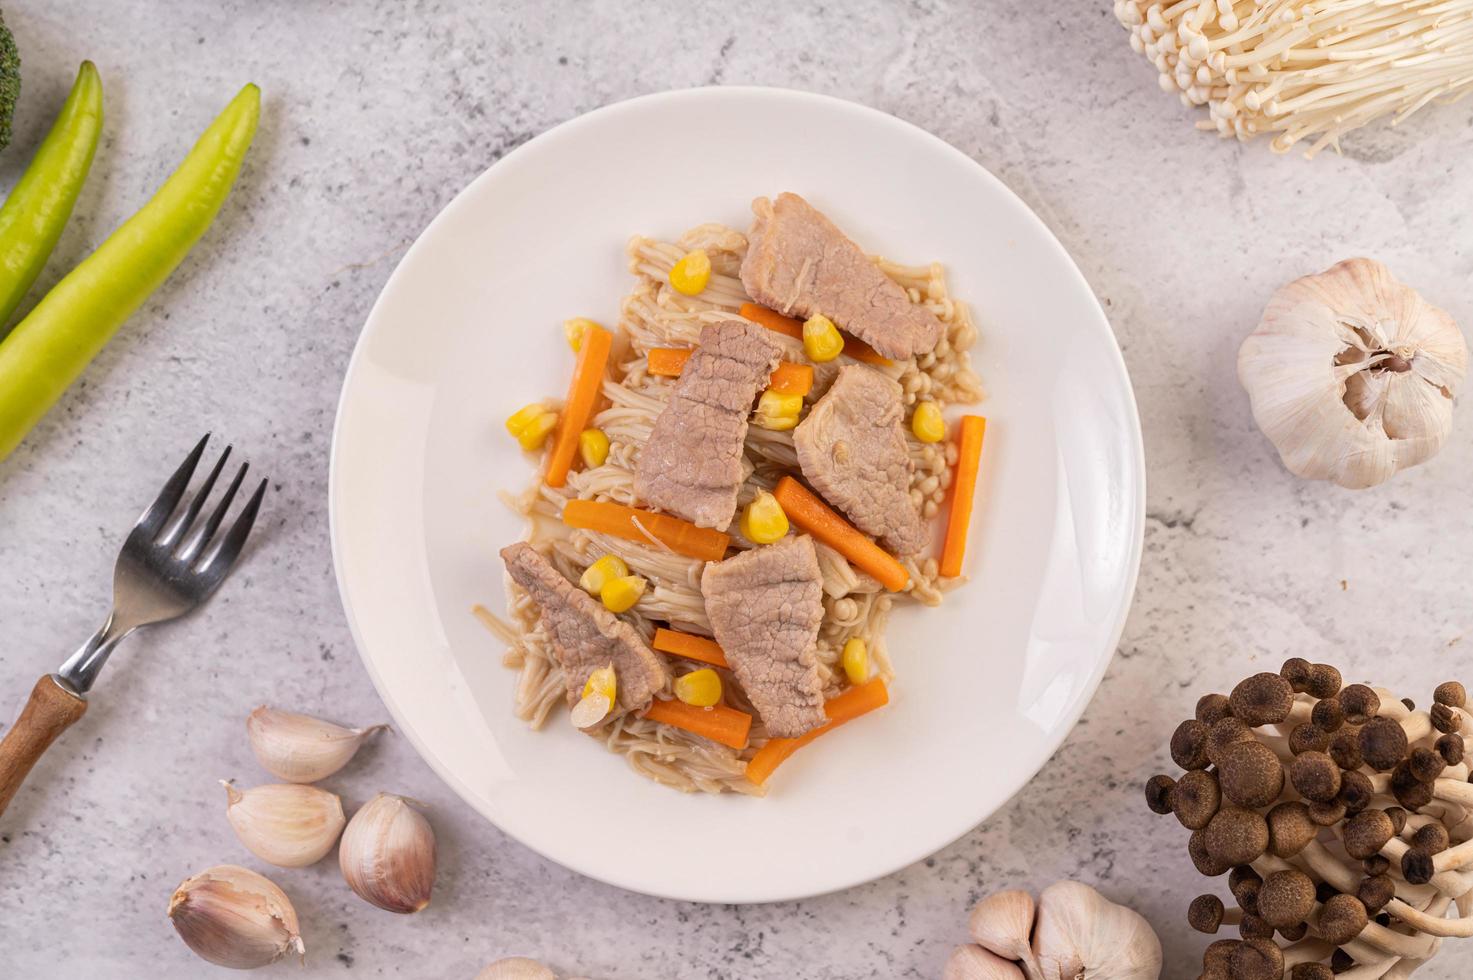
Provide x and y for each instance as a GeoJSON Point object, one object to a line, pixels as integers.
{"type": "Point", "coordinates": [776, 411]}
{"type": "Point", "coordinates": [531, 425]}
{"type": "Point", "coordinates": [701, 688]}
{"type": "Point", "coordinates": [620, 594]}
{"type": "Point", "coordinates": [926, 422]}
{"type": "Point", "coordinates": [599, 693]}
{"type": "Point", "coordinates": [764, 520]}
{"type": "Point", "coordinates": [691, 274]}
{"type": "Point", "coordinates": [601, 573]}
{"type": "Point", "coordinates": [593, 446]}
{"type": "Point", "coordinates": [821, 339]}
{"type": "Point", "coordinates": [576, 329]}
{"type": "Point", "coordinates": [855, 659]}
{"type": "Point", "coordinates": [602, 681]}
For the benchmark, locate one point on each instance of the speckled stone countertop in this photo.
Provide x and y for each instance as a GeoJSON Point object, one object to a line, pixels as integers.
{"type": "Point", "coordinates": [376, 114]}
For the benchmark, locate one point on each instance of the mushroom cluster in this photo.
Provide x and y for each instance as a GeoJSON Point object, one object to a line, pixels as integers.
{"type": "Point", "coordinates": [1342, 817]}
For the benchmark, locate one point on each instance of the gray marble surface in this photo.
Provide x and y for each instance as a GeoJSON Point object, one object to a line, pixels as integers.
{"type": "Point", "coordinates": [376, 114]}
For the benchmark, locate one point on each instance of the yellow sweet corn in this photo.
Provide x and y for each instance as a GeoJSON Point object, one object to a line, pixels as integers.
{"type": "Point", "coordinates": [599, 693]}
{"type": "Point", "coordinates": [701, 688]}
{"type": "Point", "coordinates": [776, 411]}
{"type": "Point", "coordinates": [620, 594]}
{"type": "Point", "coordinates": [821, 339]}
{"type": "Point", "coordinates": [601, 573]}
{"type": "Point", "coordinates": [576, 329]}
{"type": "Point", "coordinates": [855, 659]}
{"type": "Point", "coordinates": [603, 681]}
{"type": "Point", "coordinates": [764, 520]}
{"type": "Point", "coordinates": [593, 446]}
{"type": "Point", "coordinates": [531, 425]}
{"type": "Point", "coordinates": [926, 422]}
{"type": "Point", "coordinates": [691, 274]}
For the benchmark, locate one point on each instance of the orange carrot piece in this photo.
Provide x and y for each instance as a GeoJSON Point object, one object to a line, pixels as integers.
{"type": "Point", "coordinates": [855, 701]}
{"type": "Point", "coordinates": [588, 376]}
{"type": "Point", "coordinates": [964, 489]}
{"type": "Point", "coordinates": [791, 379]}
{"type": "Point", "coordinates": [824, 523]}
{"type": "Point", "coordinates": [667, 362]}
{"type": "Point", "coordinates": [689, 646]}
{"type": "Point", "coordinates": [626, 522]}
{"type": "Point", "coordinates": [718, 723]}
{"type": "Point", "coordinates": [778, 323]}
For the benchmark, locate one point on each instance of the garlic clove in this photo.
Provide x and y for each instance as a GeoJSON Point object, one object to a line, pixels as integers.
{"type": "Point", "coordinates": [235, 918]}
{"type": "Point", "coordinates": [300, 748]}
{"type": "Point", "coordinates": [388, 855]}
{"type": "Point", "coordinates": [1002, 924]}
{"type": "Point", "coordinates": [287, 824]}
{"type": "Point", "coordinates": [516, 968]}
{"type": "Point", "coordinates": [975, 963]}
{"type": "Point", "coordinates": [1080, 933]}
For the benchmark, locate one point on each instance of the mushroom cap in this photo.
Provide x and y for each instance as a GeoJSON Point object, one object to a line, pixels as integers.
{"type": "Point", "coordinates": [1311, 971]}
{"type": "Point", "coordinates": [1215, 959]}
{"type": "Point", "coordinates": [1254, 927]}
{"type": "Point", "coordinates": [1341, 962]}
{"type": "Point", "coordinates": [1296, 672]}
{"type": "Point", "coordinates": [1342, 919]}
{"type": "Point", "coordinates": [1445, 718]}
{"type": "Point", "coordinates": [1290, 829]}
{"type": "Point", "coordinates": [1195, 798]}
{"type": "Point", "coordinates": [1356, 792]}
{"type": "Point", "coordinates": [1236, 836]}
{"type": "Point", "coordinates": [1383, 743]}
{"type": "Point", "coordinates": [1432, 838]}
{"type": "Point", "coordinates": [1398, 818]}
{"type": "Point", "coordinates": [1426, 764]}
{"type": "Point", "coordinates": [1450, 693]}
{"type": "Point", "coordinates": [1416, 866]}
{"type": "Point", "coordinates": [1375, 891]}
{"type": "Point", "coordinates": [1409, 791]}
{"type": "Point", "coordinates": [1359, 703]}
{"type": "Point", "coordinates": [1376, 864]}
{"type": "Point", "coordinates": [1243, 882]}
{"type": "Point", "coordinates": [1295, 933]}
{"type": "Point", "coordinates": [1226, 732]}
{"type": "Point", "coordinates": [1158, 793]}
{"type": "Point", "coordinates": [1263, 699]}
{"type": "Point", "coordinates": [1366, 833]}
{"type": "Point", "coordinates": [1309, 737]}
{"type": "Point", "coordinates": [1202, 859]}
{"type": "Point", "coordinates": [1256, 959]}
{"type": "Point", "coordinates": [1189, 744]}
{"type": "Point", "coordinates": [1286, 898]}
{"type": "Point", "coordinates": [1315, 776]}
{"type": "Point", "coordinates": [1327, 814]}
{"type": "Point", "coordinates": [1212, 708]}
{"type": "Point", "coordinates": [1345, 749]}
{"type": "Point", "coordinates": [1205, 913]}
{"type": "Point", "coordinates": [1324, 681]}
{"type": "Point", "coordinates": [1250, 774]}
{"type": "Point", "coordinates": [1327, 715]}
{"type": "Point", "coordinates": [1451, 748]}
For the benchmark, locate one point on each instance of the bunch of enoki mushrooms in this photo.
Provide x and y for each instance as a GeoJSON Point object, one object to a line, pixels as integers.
{"type": "Point", "coordinates": [1342, 816]}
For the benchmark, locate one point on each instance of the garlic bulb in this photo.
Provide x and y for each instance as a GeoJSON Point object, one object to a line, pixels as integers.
{"type": "Point", "coordinates": [235, 918]}
{"type": "Point", "coordinates": [287, 824]}
{"type": "Point", "coordinates": [516, 968]}
{"type": "Point", "coordinates": [1351, 374]}
{"type": "Point", "coordinates": [300, 748]}
{"type": "Point", "coordinates": [388, 855]}
{"type": "Point", "coordinates": [1079, 933]}
{"type": "Point", "coordinates": [1002, 923]}
{"type": "Point", "coordinates": [975, 963]}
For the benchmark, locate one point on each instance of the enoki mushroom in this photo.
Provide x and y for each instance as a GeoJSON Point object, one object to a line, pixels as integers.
{"type": "Point", "coordinates": [1305, 69]}
{"type": "Point", "coordinates": [1342, 816]}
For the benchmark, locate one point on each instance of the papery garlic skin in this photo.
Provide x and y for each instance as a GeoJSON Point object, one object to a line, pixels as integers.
{"type": "Point", "coordinates": [1351, 374]}
{"type": "Point", "coordinates": [287, 824]}
{"type": "Point", "coordinates": [1002, 923]}
{"type": "Point", "coordinates": [300, 748]}
{"type": "Point", "coordinates": [972, 962]}
{"type": "Point", "coordinates": [235, 918]}
{"type": "Point", "coordinates": [1081, 934]}
{"type": "Point", "coordinates": [387, 855]}
{"type": "Point", "coordinates": [516, 968]}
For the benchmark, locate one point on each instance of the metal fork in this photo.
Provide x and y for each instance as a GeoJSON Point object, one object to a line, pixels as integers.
{"type": "Point", "coordinates": [168, 566]}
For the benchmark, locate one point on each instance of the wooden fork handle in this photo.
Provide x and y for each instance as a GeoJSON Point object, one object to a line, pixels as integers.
{"type": "Point", "coordinates": [51, 710]}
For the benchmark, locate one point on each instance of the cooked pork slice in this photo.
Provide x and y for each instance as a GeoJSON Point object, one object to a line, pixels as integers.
{"type": "Point", "coordinates": [765, 606]}
{"type": "Point", "coordinates": [692, 463]}
{"type": "Point", "coordinates": [585, 635]}
{"type": "Point", "coordinates": [799, 262]}
{"type": "Point", "coordinates": [851, 447]}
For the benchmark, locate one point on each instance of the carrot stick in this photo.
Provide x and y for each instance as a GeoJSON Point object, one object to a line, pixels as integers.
{"type": "Point", "coordinates": [964, 489]}
{"type": "Point", "coordinates": [855, 701]}
{"type": "Point", "coordinates": [788, 379]}
{"type": "Point", "coordinates": [689, 646]}
{"type": "Point", "coordinates": [718, 723]}
{"type": "Point", "coordinates": [634, 524]}
{"type": "Point", "coordinates": [778, 323]}
{"type": "Point", "coordinates": [667, 362]}
{"type": "Point", "coordinates": [820, 520]}
{"type": "Point", "coordinates": [588, 376]}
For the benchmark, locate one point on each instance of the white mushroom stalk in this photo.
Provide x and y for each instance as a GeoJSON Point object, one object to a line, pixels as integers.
{"type": "Point", "coordinates": [1304, 69]}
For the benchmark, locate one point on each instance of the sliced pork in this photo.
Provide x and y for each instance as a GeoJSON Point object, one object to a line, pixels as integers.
{"type": "Point", "coordinates": [852, 449]}
{"type": "Point", "coordinates": [765, 606]}
{"type": "Point", "coordinates": [691, 465]}
{"type": "Point", "coordinates": [799, 262]}
{"type": "Point", "coordinates": [585, 635]}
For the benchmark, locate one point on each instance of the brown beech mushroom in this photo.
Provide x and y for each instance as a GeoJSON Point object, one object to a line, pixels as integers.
{"type": "Point", "coordinates": [1324, 681]}
{"type": "Point", "coordinates": [1189, 745]}
{"type": "Point", "coordinates": [1212, 708]}
{"type": "Point", "coordinates": [1315, 776]}
{"type": "Point", "coordinates": [1417, 867]}
{"type": "Point", "coordinates": [1383, 743]}
{"type": "Point", "coordinates": [1244, 883]}
{"type": "Point", "coordinates": [1327, 715]}
{"type": "Point", "coordinates": [1398, 818]}
{"type": "Point", "coordinates": [1236, 836]}
{"type": "Point", "coordinates": [1356, 791]}
{"type": "Point", "coordinates": [1341, 962]}
{"type": "Point", "coordinates": [1311, 971]}
{"type": "Point", "coordinates": [1202, 860]}
{"type": "Point", "coordinates": [1367, 832]}
{"type": "Point", "coordinates": [1308, 737]}
{"type": "Point", "coordinates": [1375, 865]}
{"type": "Point", "coordinates": [1375, 891]}
{"type": "Point", "coordinates": [1432, 838]}
{"type": "Point", "coordinates": [1158, 793]}
{"type": "Point", "coordinates": [1263, 699]}
{"type": "Point", "coordinates": [1206, 914]}
{"type": "Point", "coordinates": [1289, 829]}
{"type": "Point", "coordinates": [1359, 703]}
{"type": "Point", "coordinates": [1296, 672]}
{"type": "Point", "coordinates": [1286, 898]}
{"type": "Point", "coordinates": [1342, 919]}
{"type": "Point", "coordinates": [1250, 774]}
{"type": "Point", "coordinates": [1224, 733]}
{"type": "Point", "coordinates": [1345, 749]}
{"type": "Point", "coordinates": [1195, 798]}
{"type": "Point", "coordinates": [1409, 791]}
{"type": "Point", "coordinates": [1451, 748]}
{"type": "Point", "coordinates": [1446, 718]}
{"type": "Point", "coordinates": [1326, 814]}
{"type": "Point", "coordinates": [1295, 933]}
{"type": "Point", "coordinates": [1256, 959]}
{"type": "Point", "coordinates": [1254, 927]}
{"type": "Point", "coordinates": [1452, 694]}
{"type": "Point", "coordinates": [1426, 764]}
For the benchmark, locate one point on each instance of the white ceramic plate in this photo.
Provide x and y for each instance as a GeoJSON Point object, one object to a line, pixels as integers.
{"type": "Point", "coordinates": [467, 330]}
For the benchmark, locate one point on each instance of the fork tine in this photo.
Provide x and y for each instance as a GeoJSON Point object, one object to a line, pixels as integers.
{"type": "Point", "coordinates": [179, 528]}
{"type": "Point", "coordinates": [152, 520]}
{"type": "Point", "coordinates": [228, 550]}
{"type": "Point", "coordinates": [200, 539]}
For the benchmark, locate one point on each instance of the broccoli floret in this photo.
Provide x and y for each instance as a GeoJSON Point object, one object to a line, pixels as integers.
{"type": "Point", "coordinates": [9, 81]}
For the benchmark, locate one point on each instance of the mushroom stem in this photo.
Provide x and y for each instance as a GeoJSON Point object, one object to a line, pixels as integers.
{"type": "Point", "coordinates": [1454, 857]}
{"type": "Point", "coordinates": [1391, 706]}
{"type": "Point", "coordinates": [1370, 971]}
{"type": "Point", "coordinates": [1417, 725]}
{"type": "Point", "coordinates": [1453, 791]}
{"type": "Point", "coordinates": [1430, 923]}
{"type": "Point", "coordinates": [1445, 883]}
{"type": "Point", "coordinates": [1306, 951]}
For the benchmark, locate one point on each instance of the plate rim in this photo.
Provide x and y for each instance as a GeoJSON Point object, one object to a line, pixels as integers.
{"type": "Point", "coordinates": [1133, 431]}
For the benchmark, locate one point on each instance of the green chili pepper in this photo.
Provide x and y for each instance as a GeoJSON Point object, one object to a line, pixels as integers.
{"type": "Point", "coordinates": [38, 208]}
{"type": "Point", "coordinates": [54, 343]}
